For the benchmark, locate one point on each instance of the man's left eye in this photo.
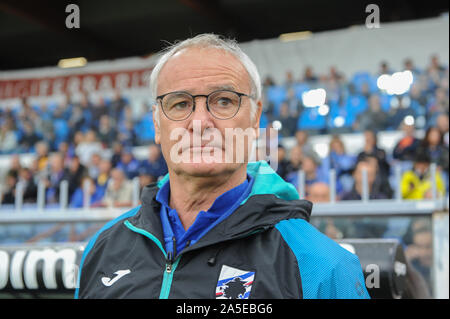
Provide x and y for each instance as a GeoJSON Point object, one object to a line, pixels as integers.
{"type": "Point", "coordinates": [224, 102]}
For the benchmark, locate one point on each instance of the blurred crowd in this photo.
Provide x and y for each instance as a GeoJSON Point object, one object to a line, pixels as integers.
{"type": "Point", "coordinates": [90, 145]}
{"type": "Point", "coordinates": [84, 141]}
{"type": "Point", "coordinates": [86, 168]}
{"type": "Point", "coordinates": [358, 103]}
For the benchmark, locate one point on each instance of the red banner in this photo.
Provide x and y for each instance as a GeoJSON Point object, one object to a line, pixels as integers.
{"type": "Point", "coordinates": [47, 86]}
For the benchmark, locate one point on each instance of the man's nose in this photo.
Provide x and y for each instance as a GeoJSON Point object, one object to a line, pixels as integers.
{"type": "Point", "coordinates": [201, 114]}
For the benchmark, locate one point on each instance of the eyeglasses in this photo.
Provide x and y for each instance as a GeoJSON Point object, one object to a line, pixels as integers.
{"type": "Point", "coordinates": [222, 104]}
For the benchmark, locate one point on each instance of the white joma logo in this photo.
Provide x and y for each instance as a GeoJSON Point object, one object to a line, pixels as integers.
{"type": "Point", "coordinates": [120, 273]}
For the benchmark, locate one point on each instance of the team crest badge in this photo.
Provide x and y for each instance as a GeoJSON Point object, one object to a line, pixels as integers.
{"type": "Point", "coordinates": [234, 283]}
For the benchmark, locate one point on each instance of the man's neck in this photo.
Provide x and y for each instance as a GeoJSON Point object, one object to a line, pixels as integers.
{"type": "Point", "coordinates": [190, 194]}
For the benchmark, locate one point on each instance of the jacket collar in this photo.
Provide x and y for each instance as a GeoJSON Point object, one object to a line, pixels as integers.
{"type": "Point", "coordinates": [270, 201]}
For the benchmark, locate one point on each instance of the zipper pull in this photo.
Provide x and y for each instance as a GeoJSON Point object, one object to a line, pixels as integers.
{"type": "Point", "coordinates": [174, 243]}
{"type": "Point", "coordinates": [169, 261]}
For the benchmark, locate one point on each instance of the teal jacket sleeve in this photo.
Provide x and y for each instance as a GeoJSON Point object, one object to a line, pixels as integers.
{"type": "Point", "coordinates": [327, 270]}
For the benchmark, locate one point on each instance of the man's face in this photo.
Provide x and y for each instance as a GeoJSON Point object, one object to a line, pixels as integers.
{"type": "Point", "coordinates": [371, 173]}
{"type": "Point", "coordinates": [202, 71]}
{"type": "Point", "coordinates": [319, 193]}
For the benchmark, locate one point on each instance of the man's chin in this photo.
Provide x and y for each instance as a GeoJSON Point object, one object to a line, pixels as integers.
{"type": "Point", "coordinates": [205, 168]}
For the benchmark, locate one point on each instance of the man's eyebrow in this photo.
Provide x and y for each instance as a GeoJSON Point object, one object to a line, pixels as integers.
{"type": "Point", "coordinates": [222, 87]}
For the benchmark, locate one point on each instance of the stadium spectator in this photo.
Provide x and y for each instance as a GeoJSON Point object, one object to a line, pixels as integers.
{"type": "Point", "coordinates": [384, 68]}
{"type": "Point", "coordinates": [66, 150]}
{"type": "Point", "coordinates": [117, 149]}
{"type": "Point", "coordinates": [283, 162]}
{"type": "Point", "coordinates": [127, 135]}
{"type": "Point", "coordinates": [8, 192]}
{"type": "Point", "coordinates": [118, 191]}
{"type": "Point", "coordinates": [29, 137]}
{"type": "Point", "coordinates": [14, 164]}
{"type": "Point", "coordinates": [443, 127]}
{"type": "Point", "coordinates": [371, 149]}
{"type": "Point", "coordinates": [117, 105]}
{"type": "Point", "coordinates": [408, 65]}
{"type": "Point", "coordinates": [319, 192]}
{"type": "Point", "coordinates": [357, 190]}
{"type": "Point", "coordinates": [57, 173]}
{"type": "Point", "coordinates": [268, 82]}
{"type": "Point", "coordinates": [301, 136]}
{"type": "Point", "coordinates": [335, 75]}
{"type": "Point", "coordinates": [438, 104]}
{"type": "Point", "coordinates": [406, 148]}
{"type": "Point", "coordinates": [313, 174]}
{"type": "Point", "coordinates": [99, 110]}
{"type": "Point", "coordinates": [374, 118]}
{"type": "Point", "coordinates": [76, 172]}
{"type": "Point", "coordinates": [433, 145]}
{"type": "Point", "coordinates": [289, 79]}
{"type": "Point", "coordinates": [76, 120]}
{"type": "Point", "coordinates": [288, 122]}
{"type": "Point", "coordinates": [88, 146]}
{"type": "Point", "coordinates": [295, 160]}
{"type": "Point", "coordinates": [435, 66]}
{"type": "Point", "coordinates": [106, 133]}
{"type": "Point", "coordinates": [399, 111]}
{"type": "Point", "coordinates": [341, 162]}
{"type": "Point", "coordinates": [8, 138]}
{"type": "Point", "coordinates": [381, 185]}
{"type": "Point", "coordinates": [86, 107]}
{"type": "Point", "coordinates": [94, 166]}
{"type": "Point", "coordinates": [29, 185]}
{"type": "Point", "coordinates": [144, 180]}
{"type": "Point", "coordinates": [417, 184]}
{"type": "Point", "coordinates": [96, 193]}
{"type": "Point", "coordinates": [309, 76]}
{"type": "Point", "coordinates": [294, 105]}
{"type": "Point", "coordinates": [104, 173]}
{"type": "Point", "coordinates": [154, 165]}
{"type": "Point", "coordinates": [42, 155]}
{"type": "Point", "coordinates": [418, 99]}
{"type": "Point", "coordinates": [128, 163]}
{"type": "Point", "coordinates": [41, 124]}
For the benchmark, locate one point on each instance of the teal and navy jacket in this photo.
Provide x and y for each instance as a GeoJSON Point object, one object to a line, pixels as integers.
{"type": "Point", "coordinates": [265, 248]}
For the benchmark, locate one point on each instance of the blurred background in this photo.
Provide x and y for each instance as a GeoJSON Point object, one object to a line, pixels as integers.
{"type": "Point", "coordinates": [358, 94]}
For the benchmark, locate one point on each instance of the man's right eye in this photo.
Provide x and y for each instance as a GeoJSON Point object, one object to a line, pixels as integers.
{"type": "Point", "coordinates": [179, 105]}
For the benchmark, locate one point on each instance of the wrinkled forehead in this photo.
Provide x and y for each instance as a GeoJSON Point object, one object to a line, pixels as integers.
{"type": "Point", "coordinates": [198, 69]}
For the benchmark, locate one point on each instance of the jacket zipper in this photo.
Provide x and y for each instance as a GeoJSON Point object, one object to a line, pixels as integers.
{"type": "Point", "coordinates": [170, 266]}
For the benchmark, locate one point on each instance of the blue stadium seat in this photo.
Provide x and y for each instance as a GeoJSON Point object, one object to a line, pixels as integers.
{"type": "Point", "coordinates": [356, 104]}
{"type": "Point", "coordinates": [310, 119]}
{"type": "Point", "coordinates": [385, 101]}
{"type": "Point", "coordinates": [61, 130]}
{"type": "Point", "coordinates": [144, 129]}
{"type": "Point", "coordinates": [276, 95]}
{"type": "Point", "coordinates": [299, 89]}
{"type": "Point", "coordinates": [340, 116]}
{"type": "Point", "coordinates": [360, 78]}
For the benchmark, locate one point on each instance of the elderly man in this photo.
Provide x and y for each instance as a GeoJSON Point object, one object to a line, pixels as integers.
{"type": "Point", "coordinates": [216, 226]}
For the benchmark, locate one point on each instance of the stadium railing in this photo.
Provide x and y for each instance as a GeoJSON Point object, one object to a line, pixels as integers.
{"type": "Point", "coordinates": [32, 226]}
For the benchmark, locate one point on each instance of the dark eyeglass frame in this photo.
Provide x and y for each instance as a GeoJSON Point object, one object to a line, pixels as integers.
{"type": "Point", "coordinates": [239, 94]}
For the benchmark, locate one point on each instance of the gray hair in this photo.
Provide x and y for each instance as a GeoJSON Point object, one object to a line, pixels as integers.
{"type": "Point", "coordinates": [209, 40]}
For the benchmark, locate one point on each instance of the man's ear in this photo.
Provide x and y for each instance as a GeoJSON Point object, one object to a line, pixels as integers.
{"type": "Point", "coordinates": [155, 118]}
{"type": "Point", "coordinates": [257, 117]}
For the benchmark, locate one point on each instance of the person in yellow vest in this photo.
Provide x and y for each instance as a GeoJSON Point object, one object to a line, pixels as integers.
{"type": "Point", "coordinates": [417, 183]}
